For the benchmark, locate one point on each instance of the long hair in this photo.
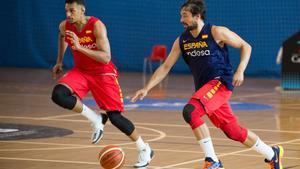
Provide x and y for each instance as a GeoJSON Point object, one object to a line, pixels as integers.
{"type": "Point", "coordinates": [195, 7]}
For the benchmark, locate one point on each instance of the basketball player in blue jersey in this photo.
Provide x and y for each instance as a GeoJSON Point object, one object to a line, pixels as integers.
{"type": "Point", "coordinates": [204, 49]}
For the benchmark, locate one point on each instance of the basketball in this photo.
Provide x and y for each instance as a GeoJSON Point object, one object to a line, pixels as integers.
{"type": "Point", "coordinates": [112, 157]}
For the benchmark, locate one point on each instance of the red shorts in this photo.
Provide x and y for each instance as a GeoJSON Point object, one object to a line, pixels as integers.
{"type": "Point", "coordinates": [104, 88]}
{"type": "Point", "coordinates": [214, 98]}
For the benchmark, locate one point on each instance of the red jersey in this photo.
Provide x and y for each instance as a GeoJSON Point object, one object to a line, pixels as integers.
{"type": "Point", "coordinates": [88, 40]}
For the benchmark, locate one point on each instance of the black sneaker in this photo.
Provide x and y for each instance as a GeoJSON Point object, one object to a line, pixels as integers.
{"type": "Point", "coordinates": [275, 163]}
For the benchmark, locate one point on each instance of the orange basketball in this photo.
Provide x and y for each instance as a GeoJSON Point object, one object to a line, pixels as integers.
{"type": "Point", "coordinates": [112, 157]}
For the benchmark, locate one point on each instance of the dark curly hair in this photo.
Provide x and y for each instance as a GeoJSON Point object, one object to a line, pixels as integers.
{"type": "Point", "coordinates": [195, 7]}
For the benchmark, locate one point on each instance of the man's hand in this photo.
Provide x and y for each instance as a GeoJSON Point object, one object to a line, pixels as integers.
{"type": "Point", "coordinates": [74, 40]}
{"type": "Point", "coordinates": [238, 79]}
{"type": "Point", "coordinates": [57, 70]}
{"type": "Point", "coordinates": [140, 94]}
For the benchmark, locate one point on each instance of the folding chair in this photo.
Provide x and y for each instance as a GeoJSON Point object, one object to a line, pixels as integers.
{"type": "Point", "coordinates": [158, 54]}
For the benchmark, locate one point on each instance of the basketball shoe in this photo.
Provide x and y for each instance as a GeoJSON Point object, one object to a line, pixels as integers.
{"type": "Point", "coordinates": [275, 163]}
{"type": "Point", "coordinates": [144, 158]}
{"type": "Point", "coordinates": [211, 164]}
{"type": "Point", "coordinates": [98, 129]}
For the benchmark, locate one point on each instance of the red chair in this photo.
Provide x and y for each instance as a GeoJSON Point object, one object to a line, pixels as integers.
{"type": "Point", "coordinates": [158, 54]}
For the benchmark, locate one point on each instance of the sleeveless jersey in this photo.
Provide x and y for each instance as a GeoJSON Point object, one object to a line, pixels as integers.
{"type": "Point", "coordinates": [205, 58]}
{"type": "Point", "coordinates": [87, 39]}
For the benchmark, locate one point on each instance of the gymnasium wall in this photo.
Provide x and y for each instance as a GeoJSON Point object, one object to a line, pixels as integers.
{"type": "Point", "coordinates": [29, 30]}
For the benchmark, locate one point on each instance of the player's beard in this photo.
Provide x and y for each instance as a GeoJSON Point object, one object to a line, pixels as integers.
{"type": "Point", "coordinates": [193, 26]}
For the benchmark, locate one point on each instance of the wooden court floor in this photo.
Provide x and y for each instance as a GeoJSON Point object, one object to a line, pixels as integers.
{"type": "Point", "coordinates": [25, 99]}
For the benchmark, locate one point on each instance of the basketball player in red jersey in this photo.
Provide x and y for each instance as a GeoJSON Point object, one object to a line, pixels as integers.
{"type": "Point", "coordinates": [93, 71]}
{"type": "Point", "coordinates": [204, 48]}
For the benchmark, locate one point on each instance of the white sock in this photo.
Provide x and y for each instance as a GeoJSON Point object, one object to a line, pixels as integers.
{"type": "Point", "coordinates": [140, 144]}
{"type": "Point", "coordinates": [92, 116]}
{"type": "Point", "coordinates": [208, 148]}
{"type": "Point", "coordinates": [263, 149]}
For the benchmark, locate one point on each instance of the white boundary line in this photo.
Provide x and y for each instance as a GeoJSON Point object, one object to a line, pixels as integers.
{"type": "Point", "coordinates": [147, 124]}
{"type": "Point", "coordinates": [253, 95]}
{"type": "Point", "coordinates": [45, 160]}
{"type": "Point", "coordinates": [167, 150]}
{"type": "Point", "coordinates": [160, 136]}
{"type": "Point", "coordinates": [223, 155]}
{"type": "Point", "coordinates": [61, 116]}
{"type": "Point", "coordinates": [67, 161]}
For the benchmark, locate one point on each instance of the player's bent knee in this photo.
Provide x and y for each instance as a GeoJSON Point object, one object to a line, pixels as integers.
{"type": "Point", "coordinates": [121, 122]}
{"type": "Point", "coordinates": [187, 112]}
{"type": "Point", "coordinates": [62, 96]}
{"type": "Point", "coordinates": [235, 132]}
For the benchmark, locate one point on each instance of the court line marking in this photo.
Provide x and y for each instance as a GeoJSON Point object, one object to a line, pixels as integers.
{"type": "Point", "coordinates": [78, 146]}
{"type": "Point", "coordinates": [128, 109]}
{"type": "Point", "coordinates": [129, 148]}
{"type": "Point", "coordinates": [225, 154]}
{"type": "Point", "coordinates": [24, 94]}
{"type": "Point", "coordinates": [46, 95]}
{"type": "Point", "coordinates": [239, 97]}
{"type": "Point", "coordinates": [160, 136]}
{"type": "Point", "coordinates": [45, 160]}
{"type": "Point", "coordinates": [76, 114]}
{"type": "Point", "coordinates": [259, 156]}
{"type": "Point", "coordinates": [147, 124]}
{"type": "Point", "coordinates": [291, 108]}
{"type": "Point", "coordinates": [183, 137]}
{"type": "Point", "coordinates": [41, 118]}
{"type": "Point", "coordinates": [48, 149]}
{"type": "Point", "coordinates": [94, 163]}
{"type": "Point", "coordinates": [66, 161]}
{"type": "Point", "coordinates": [61, 116]}
{"type": "Point", "coordinates": [253, 95]}
{"type": "Point", "coordinates": [41, 143]}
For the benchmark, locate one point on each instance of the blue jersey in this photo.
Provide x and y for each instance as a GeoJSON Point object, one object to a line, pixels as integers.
{"type": "Point", "coordinates": [205, 58]}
